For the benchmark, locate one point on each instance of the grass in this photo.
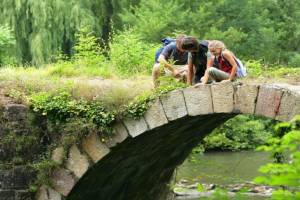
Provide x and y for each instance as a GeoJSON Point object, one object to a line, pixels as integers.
{"type": "Point", "coordinates": [91, 80]}
{"type": "Point", "coordinates": [259, 73]}
{"type": "Point", "coordinates": [82, 82]}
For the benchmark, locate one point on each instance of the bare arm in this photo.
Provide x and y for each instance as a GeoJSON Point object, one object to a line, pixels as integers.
{"type": "Point", "coordinates": [230, 58]}
{"type": "Point", "coordinates": [162, 60]}
{"type": "Point", "coordinates": [190, 71]}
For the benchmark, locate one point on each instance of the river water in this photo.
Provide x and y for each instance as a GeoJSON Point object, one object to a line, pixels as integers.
{"type": "Point", "coordinates": [222, 168]}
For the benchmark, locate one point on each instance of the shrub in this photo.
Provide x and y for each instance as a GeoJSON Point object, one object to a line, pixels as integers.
{"type": "Point", "coordinates": [295, 60]}
{"type": "Point", "coordinates": [129, 55]}
{"type": "Point", "coordinates": [285, 174]}
{"type": "Point", "coordinates": [232, 136]}
{"type": "Point", "coordinates": [6, 41]}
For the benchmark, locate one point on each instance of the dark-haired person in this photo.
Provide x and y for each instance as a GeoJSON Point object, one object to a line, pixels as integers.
{"type": "Point", "coordinates": [197, 58]}
{"type": "Point", "coordinates": [222, 66]}
{"type": "Point", "coordinates": [173, 59]}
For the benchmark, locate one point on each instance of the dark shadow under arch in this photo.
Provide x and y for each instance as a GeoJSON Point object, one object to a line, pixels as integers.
{"type": "Point", "coordinates": [140, 168]}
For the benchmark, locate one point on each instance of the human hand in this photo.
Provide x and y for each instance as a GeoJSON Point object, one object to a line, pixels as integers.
{"type": "Point", "coordinates": [225, 81]}
{"type": "Point", "coordinates": [198, 84]}
{"type": "Point", "coordinates": [176, 73]}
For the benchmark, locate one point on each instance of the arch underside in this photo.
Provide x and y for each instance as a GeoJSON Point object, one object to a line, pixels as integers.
{"type": "Point", "coordinates": [141, 167]}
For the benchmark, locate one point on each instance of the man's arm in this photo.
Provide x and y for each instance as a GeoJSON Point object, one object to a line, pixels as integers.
{"type": "Point", "coordinates": [190, 70]}
{"type": "Point", "coordinates": [162, 60]}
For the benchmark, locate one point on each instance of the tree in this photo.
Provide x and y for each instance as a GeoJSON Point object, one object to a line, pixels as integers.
{"type": "Point", "coordinates": [6, 41]}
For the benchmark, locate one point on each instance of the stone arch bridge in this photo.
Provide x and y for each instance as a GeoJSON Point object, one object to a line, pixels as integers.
{"type": "Point", "coordinates": [138, 161]}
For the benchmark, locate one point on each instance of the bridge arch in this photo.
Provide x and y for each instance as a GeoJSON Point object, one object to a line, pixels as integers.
{"type": "Point", "coordinates": [139, 160]}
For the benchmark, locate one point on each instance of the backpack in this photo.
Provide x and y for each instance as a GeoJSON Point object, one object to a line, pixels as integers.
{"type": "Point", "coordinates": [241, 69]}
{"type": "Point", "coordinates": [166, 41]}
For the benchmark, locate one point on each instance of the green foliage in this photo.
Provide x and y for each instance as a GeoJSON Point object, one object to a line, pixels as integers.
{"type": "Point", "coordinates": [257, 69]}
{"type": "Point", "coordinates": [16, 95]}
{"type": "Point", "coordinates": [231, 37]}
{"type": "Point", "coordinates": [130, 55]}
{"type": "Point", "coordinates": [155, 19]}
{"type": "Point", "coordinates": [43, 168]}
{"type": "Point", "coordinates": [62, 108]}
{"type": "Point", "coordinates": [87, 47]}
{"type": "Point", "coordinates": [6, 42]}
{"type": "Point", "coordinates": [266, 30]}
{"type": "Point", "coordinates": [286, 174]}
{"type": "Point", "coordinates": [294, 60]}
{"type": "Point", "coordinates": [46, 28]}
{"type": "Point", "coordinates": [139, 106]}
{"type": "Point", "coordinates": [232, 136]}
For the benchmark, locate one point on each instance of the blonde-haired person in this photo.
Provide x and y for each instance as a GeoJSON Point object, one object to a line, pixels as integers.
{"type": "Point", "coordinates": [222, 65]}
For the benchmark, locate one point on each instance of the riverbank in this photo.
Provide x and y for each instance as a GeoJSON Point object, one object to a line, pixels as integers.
{"type": "Point", "coordinates": [231, 172]}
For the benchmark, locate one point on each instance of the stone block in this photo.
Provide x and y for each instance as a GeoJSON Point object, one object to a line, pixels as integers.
{"type": "Point", "coordinates": [119, 135]}
{"type": "Point", "coordinates": [58, 155]}
{"type": "Point", "coordinates": [268, 101]}
{"type": "Point", "coordinates": [77, 162]}
{"type": "Point", "coordinates": [46, 193]}
{"type": "Point", "coordinates": [222, 95]}
{"type": "Point", "coordinates": [23, 177]}
{"type": "Point", "coordinates": [15, 112]}
{"type": "Point", "coordinates": [155, 115]}
{"type": "Point", "coordinates": [174, 105]}
{"type": "Point", "coordinates": [289, 106]}
{"type": "Point", "coordinates": [245, 98]}
{"type": "Point", "coordinates": [6, 179]}
{"type": "Point", "coordinates": [63, 181]}
{"type": "Point", "coordinates": [24, 195]}
{"type": "Point", "coordinates": [198, 100]}
{"type": "Point", "coordinates": [135, 127]}
{"type": "Point", "coordinates": [7, 195]}
{"type": "Point", "coordinates": [94, 148]}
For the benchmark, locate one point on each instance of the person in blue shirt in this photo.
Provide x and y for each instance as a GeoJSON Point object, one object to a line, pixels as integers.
{"type": "Point", "coordinates": [172, 59]}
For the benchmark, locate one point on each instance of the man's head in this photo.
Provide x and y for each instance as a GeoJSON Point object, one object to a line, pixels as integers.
{"type": "Point", "coordinates": [179, 40]}
{"type": "Point", "coordinates": [190, 44]}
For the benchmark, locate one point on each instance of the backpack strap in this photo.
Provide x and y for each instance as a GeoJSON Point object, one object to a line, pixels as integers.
{"type": "Point", "coordinates": [227, 62]}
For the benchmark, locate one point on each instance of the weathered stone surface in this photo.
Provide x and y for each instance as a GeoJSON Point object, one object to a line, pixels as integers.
{"type": "Point", "coordinates": [77, 162]}
{"type": "Point", "coordinates": [24, 195]}
{"type": "Point", "coordinates": [94, 148]}
{"type": "Point", "coordinates": [155, 115]}
{"type": "Point", "coordinates": [63, 181]}
{"type": "Point", "coordinates": [6, 179]}
{"type": "Point", "coordinates": [245, 98]}
{"type": "Point", "coordinates": [141, 167]}
{"type": "Point", "coordinates": [22, 177]}
{"type": "Point", "coordinates": [46, 193]}
{"type": "Point", "coordinates": [15, 112]}
{"type": "Point", "coordinates": [58, 155]}
{"type": "Point", "coordinates": [119, 135]}
{"type": "Point", "coordinates": [268, 101]}
{"type": "Point", "coordinates": [135, 127]}
{"type": "Point", "coordinates": [289, 106]}
{"type": "Point", "coordinates": [198, 100]}
{"type": "Point", "coordinates": [7, 195]}
{"type": "Point", "coordinates": [174, 105]}
{"type": "Point", "coordinates": [222, 95]}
